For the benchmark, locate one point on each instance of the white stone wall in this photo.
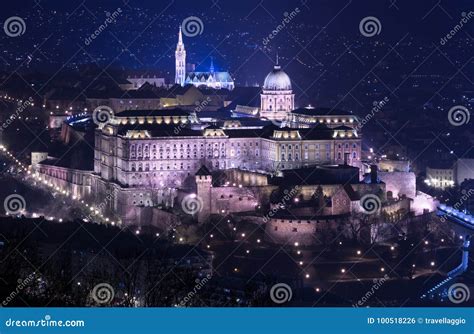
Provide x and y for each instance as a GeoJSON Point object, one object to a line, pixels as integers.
{"type": "Point", "coordinates": [440, 178]}
{"type": "Point", "coordinates": [37, 157]}
{"type": "Point", "coordinates": [170, 160]}
{"type": "Point", "coordinates": [276, 104]}
{"type": "Point", "coordinates": [394, 166]}
{"type": "Point", "coordinates": [399, 183]}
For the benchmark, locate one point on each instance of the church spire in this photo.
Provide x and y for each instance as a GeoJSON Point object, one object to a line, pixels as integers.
{"type": "Point", "coordinates": [180, 58]}
{"type": "Point", "coordinates": [211, 68]}
{"type": "Point", "coordinates": [180, 37]}
{"type": "Point", "coordinates": [277, 66]}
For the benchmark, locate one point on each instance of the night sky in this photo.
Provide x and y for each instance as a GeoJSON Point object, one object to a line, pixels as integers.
{"type": "Point", "coordinates": [321, 49]}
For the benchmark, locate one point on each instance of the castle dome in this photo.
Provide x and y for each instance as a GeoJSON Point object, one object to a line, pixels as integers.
{"type": "Point", "coordinates": [277, 80]}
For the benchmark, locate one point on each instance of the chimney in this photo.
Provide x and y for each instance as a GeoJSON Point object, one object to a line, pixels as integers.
{"type": "Point", "coordinates": [373, 173]}
{"type": "Point", "coordinates": [346, 158]}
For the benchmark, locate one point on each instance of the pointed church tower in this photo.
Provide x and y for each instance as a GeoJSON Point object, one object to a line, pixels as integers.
{"type": "Point", "coordinates": [211, 68]}
{"type": "Point", "coordinates": [180, 56]}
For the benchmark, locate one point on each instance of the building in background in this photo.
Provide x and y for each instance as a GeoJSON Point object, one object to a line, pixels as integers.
{"type": "Point", "coordinates": [138, 80]}
{"type": "Point", "coordinates": [310, 116]}
{"type": "Point", "coordinates": [464, 170]}
{"type": "Point", "coordinates": [180, 60]}
{"type": "Point", "coordinates": [445, 174]}
{"type": "Point", "coordinates": [211, 79]}
{"type": "Point", "coordinates": [440, 176]}
{"type": "Point", "coordinates": [390, 165]}
{"type": "Point", "coordinates": [277, 98]}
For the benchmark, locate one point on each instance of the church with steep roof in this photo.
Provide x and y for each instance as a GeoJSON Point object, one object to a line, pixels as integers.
{"type": "Point", "coordinates": [209, 79]}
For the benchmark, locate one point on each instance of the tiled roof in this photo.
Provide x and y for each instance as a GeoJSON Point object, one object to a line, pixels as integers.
{"type": "Point", "coordinates": [203, 171]}
{"type": "Point", "coordinates": [204, 76]}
